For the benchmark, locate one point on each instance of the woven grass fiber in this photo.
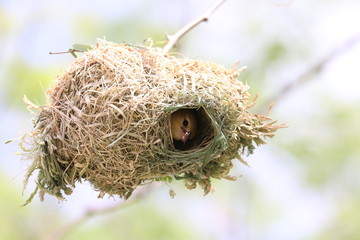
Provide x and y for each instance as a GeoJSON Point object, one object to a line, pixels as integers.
{"type": "Point", "coordinates": [107, 121]}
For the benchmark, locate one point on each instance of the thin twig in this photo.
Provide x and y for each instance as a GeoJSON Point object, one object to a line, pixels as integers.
{"type": "Point", "coordinates": [65, 52]}
{"type": "Point", "coordinates": [71, 51]}
{"type": "Point", "coordinates": [172, 39]}
{"type": "Point", "coordinates": [66, 229]}
{"type": "Point", "coordinates": [315, 69]}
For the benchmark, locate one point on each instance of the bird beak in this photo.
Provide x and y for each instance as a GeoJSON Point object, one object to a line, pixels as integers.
{"type": "Point", "coordinates": [185, 137]}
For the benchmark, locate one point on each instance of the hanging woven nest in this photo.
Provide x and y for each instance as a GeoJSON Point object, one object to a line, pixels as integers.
{"type": "Point", "coordinates": [108, 122]}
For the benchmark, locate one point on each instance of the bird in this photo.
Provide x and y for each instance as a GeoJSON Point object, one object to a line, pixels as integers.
{"type": "Point", "coordinates": [184, 128]}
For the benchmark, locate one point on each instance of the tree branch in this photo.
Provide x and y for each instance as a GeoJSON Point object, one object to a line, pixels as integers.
{"type": "Point", "coordinates": [66, 229]}
{"type": "Point", "coordinates": [315, 69]}
{"type": "Point", "coordinates": [173, 39]}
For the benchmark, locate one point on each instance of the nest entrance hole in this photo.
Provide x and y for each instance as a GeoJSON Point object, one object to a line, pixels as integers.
{"type": "Point", "coordinates": [205, 132]}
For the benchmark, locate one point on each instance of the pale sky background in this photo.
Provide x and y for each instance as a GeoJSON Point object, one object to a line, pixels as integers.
{"type": "Point", "coordinates": [238, 31]}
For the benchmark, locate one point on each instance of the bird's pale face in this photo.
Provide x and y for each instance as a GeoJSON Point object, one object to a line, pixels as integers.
{"type": "Point", "coordinates": [183, 125]}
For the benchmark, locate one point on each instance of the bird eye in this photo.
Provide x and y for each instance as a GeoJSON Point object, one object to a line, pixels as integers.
{"type": "Point", "coordinates": [185, 122]}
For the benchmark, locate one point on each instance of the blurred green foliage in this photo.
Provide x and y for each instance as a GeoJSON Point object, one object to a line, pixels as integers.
{"type": "Point", "coordinates": [153, 224]}
{"type": "Point", "coordinates": [141, 221]}
{"type": "Point", "coordinates": [5, 22]}
{"type": "Point", "coordinates": [23, 79]}
{"type": "Point", "coordinates": [324, 144]}
{"type": "Point", "coordinates": [18, 222]}
{"type": "Point", "coordinates": [331, 140]}
{"type": "Point", "coordinates": [130, 30]}
{"type": "Point", "coordinates": [346, 223]}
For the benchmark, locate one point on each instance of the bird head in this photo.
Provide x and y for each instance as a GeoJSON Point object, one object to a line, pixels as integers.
{"type": "Point", "coordinates": [183, 125]}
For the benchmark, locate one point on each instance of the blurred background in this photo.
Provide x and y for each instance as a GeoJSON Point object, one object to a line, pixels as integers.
{"type": "Point", "coordinates": [304, 184]}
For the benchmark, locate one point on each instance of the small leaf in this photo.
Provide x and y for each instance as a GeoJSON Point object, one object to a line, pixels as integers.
{"type": "Point", "coordinates": [164, 179]}
{"type": "Point", "coordinates": [72, 52]}
{"type": "Point", "coordinates": [81, 47]}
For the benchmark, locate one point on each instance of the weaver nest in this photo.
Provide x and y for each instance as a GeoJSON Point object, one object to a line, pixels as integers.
{"type": "Point", "coordinates": [108, 122]}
